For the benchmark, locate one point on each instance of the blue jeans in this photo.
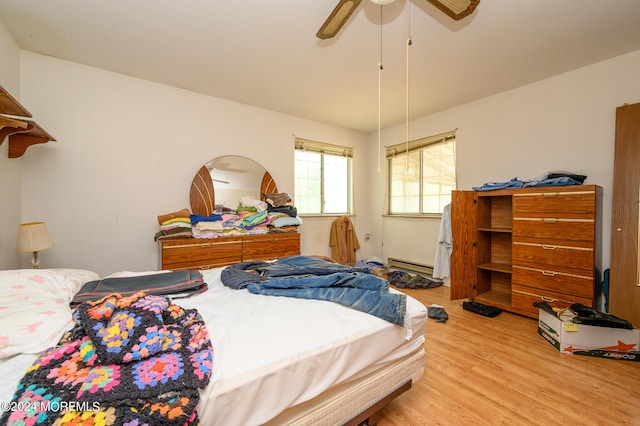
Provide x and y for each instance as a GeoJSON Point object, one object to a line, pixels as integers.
{"type": "Point", "coordinates": [312, 278]}
{"type": "Point", "coordinates": [490, 186]}
{"type": "Point", "coordinates": [559, 181]}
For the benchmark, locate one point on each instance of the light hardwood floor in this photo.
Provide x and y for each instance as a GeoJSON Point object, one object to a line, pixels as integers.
{"type": "Point", "coordinates": [493, 371]}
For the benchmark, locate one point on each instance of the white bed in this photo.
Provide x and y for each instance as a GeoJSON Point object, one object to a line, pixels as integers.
{"type": "Point", "coordinates": [281, 360]}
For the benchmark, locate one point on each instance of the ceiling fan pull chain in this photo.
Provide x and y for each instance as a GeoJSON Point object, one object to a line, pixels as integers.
{"type": "Point", "coordinates": [380, 68]}
{"type": "Point", "coordinates": [409, 43]}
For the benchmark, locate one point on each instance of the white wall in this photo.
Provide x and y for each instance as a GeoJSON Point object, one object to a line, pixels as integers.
{"type": "Point", "coordinates": [127, 150]}
{"type": "Point", "coordinates": [10, 188]}
{"type": "Point", "coordinates": [566, 122]}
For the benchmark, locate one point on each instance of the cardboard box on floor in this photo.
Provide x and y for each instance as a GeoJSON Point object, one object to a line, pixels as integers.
{"type": "Point", "coordinates": [580, 339]}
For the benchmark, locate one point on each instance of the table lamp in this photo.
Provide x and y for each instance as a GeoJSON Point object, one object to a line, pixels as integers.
{"type": "Point", "coordinates": [33, 237]}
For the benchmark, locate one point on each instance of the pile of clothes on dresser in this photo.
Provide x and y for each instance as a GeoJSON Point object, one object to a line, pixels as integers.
{"type": "Point", "coordinates": [553, 178]}
{"type": "Point", "coordinates": [276, 214]}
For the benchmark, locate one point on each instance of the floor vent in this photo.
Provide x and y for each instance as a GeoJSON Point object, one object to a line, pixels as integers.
{"type": "Point", "coordinates": [407, 265]}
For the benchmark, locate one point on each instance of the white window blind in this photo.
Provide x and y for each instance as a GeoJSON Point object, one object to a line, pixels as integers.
{"type": "Point", "coordinates": [421, 175]}
{"type": "Point", "coordinates": [325, 148]}
{"type": "Point", "coordinates": [322, 178]}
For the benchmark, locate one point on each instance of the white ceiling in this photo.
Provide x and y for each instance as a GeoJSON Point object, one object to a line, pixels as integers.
{"type": "Point", "coordinates": [265, 53]}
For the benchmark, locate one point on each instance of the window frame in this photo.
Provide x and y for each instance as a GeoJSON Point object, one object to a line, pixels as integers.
{"type": "Point", "coordinates": [412, 146]}
{"type": "Point", "coordinates": [323, 149]}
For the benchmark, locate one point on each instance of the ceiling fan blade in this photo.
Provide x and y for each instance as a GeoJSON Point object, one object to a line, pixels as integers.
{"type": "Point", "coordinates": [337, 18]}
{"type": "Point", "coordinates": [456, 9]}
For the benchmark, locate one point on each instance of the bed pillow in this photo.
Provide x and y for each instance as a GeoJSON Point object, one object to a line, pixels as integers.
{"type": "Point", "coordinates": [34, 307]}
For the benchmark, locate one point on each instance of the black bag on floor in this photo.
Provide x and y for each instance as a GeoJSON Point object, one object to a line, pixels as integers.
{"type": "Point", "coordinates": [480, 309]}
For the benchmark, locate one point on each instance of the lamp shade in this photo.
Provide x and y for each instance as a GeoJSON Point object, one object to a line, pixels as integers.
{"type": "Point", "coordinates": [32, 237]}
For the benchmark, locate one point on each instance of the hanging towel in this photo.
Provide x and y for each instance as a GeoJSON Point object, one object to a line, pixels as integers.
{"type": "Point", "coordinates": [442, 264]}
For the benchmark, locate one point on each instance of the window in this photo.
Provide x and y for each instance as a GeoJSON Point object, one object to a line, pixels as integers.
{"type": "Point", "coordinates": [322, 178]}
{"type": "Point", "coordinates": [422, 174]}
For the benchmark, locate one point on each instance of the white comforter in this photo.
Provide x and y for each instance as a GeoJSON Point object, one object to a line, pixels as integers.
{"type": "Point", "coordinates": [271, 353]}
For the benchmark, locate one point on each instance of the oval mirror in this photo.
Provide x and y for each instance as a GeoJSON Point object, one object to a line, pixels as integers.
{"type": "Point", "coordinates": [223, 181]}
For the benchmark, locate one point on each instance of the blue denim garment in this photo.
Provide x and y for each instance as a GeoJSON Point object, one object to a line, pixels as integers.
{"type": "Point", "coordinates": [236, 276]}
{"type": "Point", "coordinates": [296, 265]}
{"type": "Point", "coordinates": [337, 279]}
{"type": "Point", "coordinates": [559, 181]}
{"type": "Point", "coordinates": [387, 306]}
{"type": "Point", "coordinates": [516, 183]}
{"type": "Point", "coordinates": [490, 186]}
{"type": "Point", "coordinates": [312, 278]}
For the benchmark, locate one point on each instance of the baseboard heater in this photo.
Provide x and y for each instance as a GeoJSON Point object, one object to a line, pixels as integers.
{"type": "Point", "coordinates": [408, 265]}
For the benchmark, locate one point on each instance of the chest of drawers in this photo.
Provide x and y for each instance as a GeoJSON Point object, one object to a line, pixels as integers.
{"type": "Point", "coordinates": [514, 247]}
{"type": "Point", "coordinates": [554, 252]}
{"type": "Point", "coordinates": [195, 253]}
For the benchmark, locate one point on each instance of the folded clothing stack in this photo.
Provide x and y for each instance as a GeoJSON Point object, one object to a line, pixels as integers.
{"type": "Point", "coordinates": [174, 225]}
{"type": "Point", "coordinates": [284, 216]}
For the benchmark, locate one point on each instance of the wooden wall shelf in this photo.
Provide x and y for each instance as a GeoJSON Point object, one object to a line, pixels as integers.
{"type": "Point", "coordinates": [17, 128]}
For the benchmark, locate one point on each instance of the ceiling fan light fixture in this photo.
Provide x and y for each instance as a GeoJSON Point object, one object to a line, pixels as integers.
{"type": "Point", "coordinates": [338, 17]}
{"type": "Point", "coordinates": [456, 9]}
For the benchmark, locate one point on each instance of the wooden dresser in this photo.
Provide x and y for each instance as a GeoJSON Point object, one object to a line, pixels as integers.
{"type": "Point", "coordinates": [512, 247]}
{"type": "Point", "coordinates": [195, 253]}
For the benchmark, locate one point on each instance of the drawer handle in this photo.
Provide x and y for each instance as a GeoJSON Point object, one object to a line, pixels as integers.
{"type": "Point", "coordinates": [548, 299]}
{"type": "Point", "coordinates": [547, 247]}
{"type": "Point", "coordinates": [205, 245]}
{"type": "Point", "coordinates": [549, 273]}
{"type": "Point", "coordinates": [205, 267]}
{"type": "Point", "coordinates": [549, 220]}
{"type": "Point", "coordinates": [550, 194]}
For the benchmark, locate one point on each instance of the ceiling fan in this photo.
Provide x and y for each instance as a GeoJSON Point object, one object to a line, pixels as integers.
{"type": "Point", "coordinates": [456, 9]}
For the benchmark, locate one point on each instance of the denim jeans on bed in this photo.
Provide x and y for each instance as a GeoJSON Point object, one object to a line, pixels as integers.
{"type": "Point", "coordinates": [312, 278]}
{"type": "Point", "coordinates": [239, 275]}
{"type": "Point", "coordinates": [296, 265]}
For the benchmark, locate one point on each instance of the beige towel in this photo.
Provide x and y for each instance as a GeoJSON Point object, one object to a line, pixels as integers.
{"type": "Point", "coordinates": [180, 213]}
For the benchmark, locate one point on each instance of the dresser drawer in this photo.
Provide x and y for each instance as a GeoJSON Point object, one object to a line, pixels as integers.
{"type": "Point", "coordinates": [522, 299]}
{"type": "Point", "coordinates": [564, 258]}
{"type": "Point", "coordinates": [554, 281]}
{"type": "Point", "coordinates": [560, 203]}
{"type": "Point", "coordinates": [554, 228]}
{"type": "Point", "coordinates": [270, 246]}
{"type": "Point", "coordinates": [200, 254]}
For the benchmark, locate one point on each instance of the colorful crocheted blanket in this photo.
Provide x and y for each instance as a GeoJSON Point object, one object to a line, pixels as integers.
{"type": "Point", "coordinates": [129, 361]}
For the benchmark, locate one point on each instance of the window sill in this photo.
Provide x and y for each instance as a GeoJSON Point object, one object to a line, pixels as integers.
{"type": "Point", "coordinates": [414, 216]}
{"type": "Point", "coordinates": [325, 216]}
